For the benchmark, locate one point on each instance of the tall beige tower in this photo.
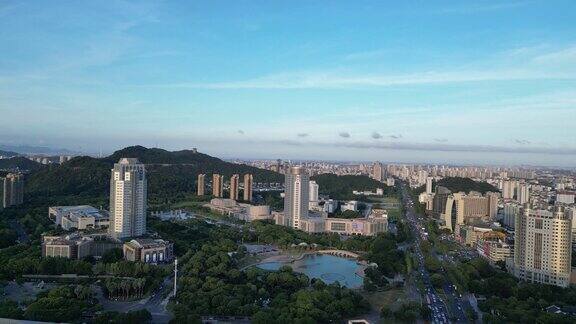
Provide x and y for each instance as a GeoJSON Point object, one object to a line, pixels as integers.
{"type": "Point", "coordinates": [13, 190]}
{"type": "Point", "coordinates": [542, 246]}
{"type": "Point", "coordinates": [296, 193]}
{"type": "Point", "coordinates": [248, 183]}
{"type": "Point", "coordinates": [217, 185]}
{"type": "Point", "coordinates": [234, 182]}
{"type": "Point", "coordinates": [128, 199]}
{"type": "Point", "coordinates": [377, 171]}
{"type": "Point", "coordinates": [201, 184]}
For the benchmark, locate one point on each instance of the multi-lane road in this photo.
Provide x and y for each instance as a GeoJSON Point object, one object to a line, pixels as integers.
{"type": "Point", "coordinates": [441, 309]}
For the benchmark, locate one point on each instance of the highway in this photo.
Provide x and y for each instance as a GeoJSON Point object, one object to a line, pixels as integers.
{"type": "Point", "coordinates": [440, 309]}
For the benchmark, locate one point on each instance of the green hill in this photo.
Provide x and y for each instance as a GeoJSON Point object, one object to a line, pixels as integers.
{"type": "Point", "coordinates": [341, 187]}
{"type": "Point", "coordinates": [21, 163]}
{"type": "Point", "coordinates": [169, 173]}
{"type": "Point", "coordinates": [457, 184]}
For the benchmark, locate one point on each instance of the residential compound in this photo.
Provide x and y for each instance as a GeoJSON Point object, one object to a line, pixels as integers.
{"type": "Point", "coordinates": [297, 215]}
{"type": "Point", "coordinates": [543, 251]}
{"type": "Point", "coordinates": [12, 190]}
{"type": "Point", "coordinates": [128, 199]}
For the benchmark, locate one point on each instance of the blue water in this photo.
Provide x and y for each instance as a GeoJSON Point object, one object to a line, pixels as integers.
{"type": "Point", "coordinates": [328, 268]}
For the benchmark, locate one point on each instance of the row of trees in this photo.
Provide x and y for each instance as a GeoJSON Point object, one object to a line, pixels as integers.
{"type": "Point", "coordinates": [125, 289]}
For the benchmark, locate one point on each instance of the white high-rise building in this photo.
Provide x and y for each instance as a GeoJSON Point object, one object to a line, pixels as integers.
{"type": "Point", "coordinates": [313, 195]}
{"type": "Point", "coordinates": [377, 172]}
{"type": "Point", "coordinates": [128, 194]}
{"type": "Point", "coordinates": [523, 193]}
{"type": "Point", "coordinates": [296, 195]}
{"type": "Point", "coordinates": [429, 185]}
{"type": "Point", "coordinates": [542, 247]}
{"type": "Point", "coordinates": [508, 189]}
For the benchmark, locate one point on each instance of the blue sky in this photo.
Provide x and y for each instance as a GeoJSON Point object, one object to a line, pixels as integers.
{"type": "Point", "coordinates": [409, 81]}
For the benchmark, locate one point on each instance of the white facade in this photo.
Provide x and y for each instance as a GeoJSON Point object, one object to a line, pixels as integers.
{"type": "Point", "coordinates": [128, 194]}
{"type": "Point", "coordinates": [313, 195]}
{"type": "Point", "coordinates": [542, 251]}
{"type": "Point", "coordinates": [523, 193]}
{"type": "Point", "coordinates": [296, 195]}
{"type": "Point", "coordinates": [511, 211]}
{"type": "Point", "coordinates": [350, 205]}
{"type": "Point", "coordinates": [565, 197]}
{"type": "Point", "coordinates": [429, 185]}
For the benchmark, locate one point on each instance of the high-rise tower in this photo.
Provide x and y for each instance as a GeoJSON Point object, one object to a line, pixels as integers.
{"type": "Point", "coordinates": [542, 246]}
{"type": "Point", "coordinates": [201, 184]}
{"type": "Point", "coordinates": [128, 194]}
{"type": "Point", "coordinates": [248, 183]}
{"type": "Point", "coordinates": [234, 182]}
{"type": "Point", "coordinates": [296, 195]}
{"type": "Point", "coordinates": [217, 185]}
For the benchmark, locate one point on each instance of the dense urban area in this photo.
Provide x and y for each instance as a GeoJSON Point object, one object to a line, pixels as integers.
{"type": "Point", "coordinates": [148, 235]}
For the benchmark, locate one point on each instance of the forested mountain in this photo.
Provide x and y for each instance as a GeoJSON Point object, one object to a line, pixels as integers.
{"type": "Point", "coordinates": [19, 162]}
{"type": "Point", "coordinates": [169, 173]}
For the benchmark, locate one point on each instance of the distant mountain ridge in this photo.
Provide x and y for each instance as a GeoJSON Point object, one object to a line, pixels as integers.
{"type": "Point", "coordinates": [8, 153]}
{"type": "Point", "coordinates": [20, 163]}
{"type": "Point", "coordinates": [28, 149]}
{"type": "Point", "coordinates": [169, 173]}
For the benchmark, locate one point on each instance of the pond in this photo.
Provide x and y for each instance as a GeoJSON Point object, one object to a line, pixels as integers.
{"type": "Point", "coordinates": [328, 268]}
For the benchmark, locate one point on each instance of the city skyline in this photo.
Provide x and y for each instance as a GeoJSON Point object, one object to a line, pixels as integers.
{"type": "Point", "coordinates": [486, 82]}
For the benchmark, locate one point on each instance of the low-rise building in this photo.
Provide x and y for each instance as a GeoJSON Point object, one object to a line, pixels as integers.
{"type": "Point", "coordinates": [565, 196]}
{"type": "Point", "coordinates": [376, 223]}
{"type": "Point", "coordinates": [350, 205]}
{"type": "Point", "coordinates": [242, 211]}
{"type": "Point", "coordinates": [330, 206]}
{"type": "Point", "coordinates": [148, 250]}
{"type": "Point", "coordinates": [79, 217]}
{"type": "Point", "coordinates": [77, 246]}
{"type": "Point", "coordinates": [73, 246]}
{"type": "Point", "coordinates": [493, 246]}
